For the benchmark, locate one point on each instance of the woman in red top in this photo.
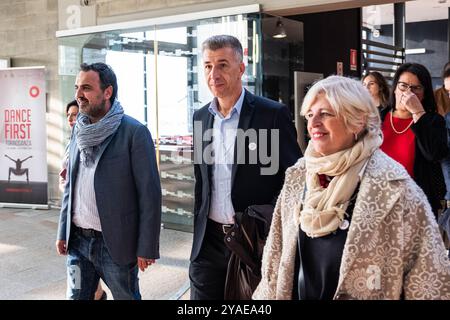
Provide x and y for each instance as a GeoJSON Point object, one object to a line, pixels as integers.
{"type": "Point", "coordinates": [414, 133]}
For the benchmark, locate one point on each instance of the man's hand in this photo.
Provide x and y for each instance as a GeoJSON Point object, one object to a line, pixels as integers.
{"type": "Point", "coordinates": [61, 247]}
{"type": "Point", "coordinates": [143, 263]}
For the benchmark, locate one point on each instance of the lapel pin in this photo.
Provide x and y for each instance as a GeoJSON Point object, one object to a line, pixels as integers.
{"type": "Point", "coordinates": [344, 224]}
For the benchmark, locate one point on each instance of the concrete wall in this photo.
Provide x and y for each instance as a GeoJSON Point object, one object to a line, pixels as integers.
{"type": "Point", "coordinates": [113, 11]}
{"type": "Point", "coordinates": [120, 7]}
{"type": "Point", "coordinates": [27, 36]}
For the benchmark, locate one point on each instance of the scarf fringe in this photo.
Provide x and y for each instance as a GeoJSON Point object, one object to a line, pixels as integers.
{"type": "Point", "coordinates": [324, 209]}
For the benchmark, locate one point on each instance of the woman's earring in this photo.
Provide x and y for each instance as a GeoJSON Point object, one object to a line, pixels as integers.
{"type": "Point", "coordinates": [356, 136]}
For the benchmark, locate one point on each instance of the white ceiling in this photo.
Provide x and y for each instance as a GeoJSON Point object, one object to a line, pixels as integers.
{"type": "Point", "coordinates": [417, 10]}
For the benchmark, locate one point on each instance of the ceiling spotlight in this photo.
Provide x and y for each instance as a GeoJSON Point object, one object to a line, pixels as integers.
{"type": "Point", "coordinates": [280, 32]}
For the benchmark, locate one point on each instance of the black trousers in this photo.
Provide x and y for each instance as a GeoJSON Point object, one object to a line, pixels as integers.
{"type": "Point", "coordinates": [208, 271]}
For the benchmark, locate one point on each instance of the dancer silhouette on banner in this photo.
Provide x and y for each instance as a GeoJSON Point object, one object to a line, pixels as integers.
{"type": "Point", "coordinates": [18, 171]}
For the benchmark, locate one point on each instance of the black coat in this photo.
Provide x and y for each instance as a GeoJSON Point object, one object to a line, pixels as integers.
{"type": "Point", "coordinates": [248, 185]}
{"type": "Point", "coordinates": [431, 147]}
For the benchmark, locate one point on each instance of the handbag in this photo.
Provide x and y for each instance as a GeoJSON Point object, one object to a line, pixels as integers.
{"type": "Point", "coordinates": [246, 240]}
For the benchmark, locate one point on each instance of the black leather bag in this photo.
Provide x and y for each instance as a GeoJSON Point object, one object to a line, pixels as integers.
{"type": "Point", "coordinates": [246, 240]}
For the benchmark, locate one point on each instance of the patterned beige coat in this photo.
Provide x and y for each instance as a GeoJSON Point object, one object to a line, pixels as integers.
{"type": "Point", "coordinates": [393, 248]}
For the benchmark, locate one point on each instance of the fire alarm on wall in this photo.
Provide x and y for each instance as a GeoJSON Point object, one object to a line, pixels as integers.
{"type": "Point", "coordinates": [340, 68]}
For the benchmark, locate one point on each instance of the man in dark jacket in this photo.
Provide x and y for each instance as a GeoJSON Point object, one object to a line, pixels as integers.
{"type": "Point", "coordinates": [242, 144]}
{"type": "Point", "coordinates": [111, 210]}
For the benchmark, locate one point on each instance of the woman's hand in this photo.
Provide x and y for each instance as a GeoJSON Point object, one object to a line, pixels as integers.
{"type": "Point", "coordinates": [409, 102]}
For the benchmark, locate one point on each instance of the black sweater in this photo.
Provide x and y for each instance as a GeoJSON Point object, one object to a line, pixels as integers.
{"type": "Point", "coordinates": [430, 148]}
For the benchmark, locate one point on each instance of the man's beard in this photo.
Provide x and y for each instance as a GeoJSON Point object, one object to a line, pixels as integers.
{"type": "Point", "coordinates": [97, 110]}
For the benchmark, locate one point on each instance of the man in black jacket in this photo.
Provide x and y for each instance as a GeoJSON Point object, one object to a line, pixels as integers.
{"type": "Point", "coordinates": [242, 144]}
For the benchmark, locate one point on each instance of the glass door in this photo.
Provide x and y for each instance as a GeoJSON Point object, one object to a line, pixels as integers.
{"type": "Point", "coordinates": [161, 84]}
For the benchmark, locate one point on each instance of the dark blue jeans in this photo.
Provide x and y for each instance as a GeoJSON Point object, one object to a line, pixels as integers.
{"type": "Point", "coordinates": [88, 260]}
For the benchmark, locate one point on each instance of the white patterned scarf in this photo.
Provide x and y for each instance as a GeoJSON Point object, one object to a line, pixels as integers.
{"type": "Point", "coordinates": [90, 135]}
{"type": "Point", "coordinates": [324, 208]}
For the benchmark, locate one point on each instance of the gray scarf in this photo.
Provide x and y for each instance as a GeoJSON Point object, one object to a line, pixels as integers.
{"type": "Point", "coordinates": [90, 135]}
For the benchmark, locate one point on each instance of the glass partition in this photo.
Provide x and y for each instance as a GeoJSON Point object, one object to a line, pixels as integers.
{"type": "Point", "coordinates": [161, 84]}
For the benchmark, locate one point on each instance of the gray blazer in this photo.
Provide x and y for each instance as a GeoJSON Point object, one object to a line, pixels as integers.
{"type": "Point", "coordinates": [127, 192]}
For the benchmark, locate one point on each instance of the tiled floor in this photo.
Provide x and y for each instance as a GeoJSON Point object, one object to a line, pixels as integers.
{"type": "Point", "coordinates": [31, 269]}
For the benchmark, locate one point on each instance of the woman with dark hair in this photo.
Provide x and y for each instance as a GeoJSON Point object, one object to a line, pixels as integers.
{"type": "Point", "coordinates": [72, 110]}
{"type": "Point", "coordinates": [414, 133]}
{"type": "Point", "coordinates": [378, 88]}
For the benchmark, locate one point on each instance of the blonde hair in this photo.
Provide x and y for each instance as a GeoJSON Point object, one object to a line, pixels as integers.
{"type": "Point", "coordinates": [349, 99]}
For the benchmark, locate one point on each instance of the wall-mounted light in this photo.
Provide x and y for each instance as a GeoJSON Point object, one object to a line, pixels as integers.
{"type": "Point", "coordinates": [280, 32]}
{"type": "Point", "coordinates": [415, 51]}
{"type": "Point", "coordinates": [5, 63]}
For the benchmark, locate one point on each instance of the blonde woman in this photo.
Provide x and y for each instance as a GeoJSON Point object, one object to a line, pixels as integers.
{"type": "Point", "coordinates": [350, 223]}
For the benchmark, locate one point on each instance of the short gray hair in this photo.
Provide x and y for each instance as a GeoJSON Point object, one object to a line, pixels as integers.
{"type": "Point", "coordinates": [349, 99]}
{"type": "Point", "coordinates": [224, 41]}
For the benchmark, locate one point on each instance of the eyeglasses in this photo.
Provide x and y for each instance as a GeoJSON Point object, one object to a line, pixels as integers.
{"type": "Point", "coordinates": [403, 86]}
